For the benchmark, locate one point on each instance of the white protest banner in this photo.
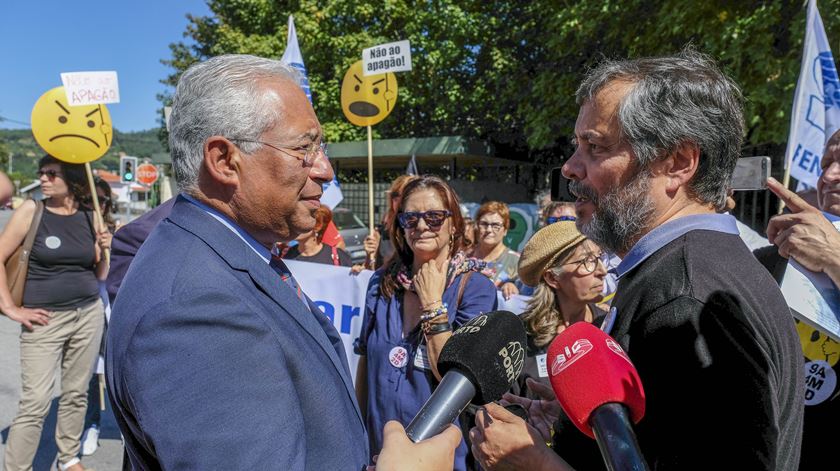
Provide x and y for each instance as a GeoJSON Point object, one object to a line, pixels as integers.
{"type": "Point", "coordinates": [390, 57]}
{"type": "Point", "coordinates": [813, 296]}
{"type": "Point", "coordinates": [91, 88]}
{"type": "Point", "coordinates": [816, 105]}
{"type": "Point", "coordinates": [340, 295]}
{"type": "Point", "coordinates": [517, 303]}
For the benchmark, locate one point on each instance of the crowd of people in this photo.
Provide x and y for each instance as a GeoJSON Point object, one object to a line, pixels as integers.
{"type": "Point", "coordinates": [216, 358]}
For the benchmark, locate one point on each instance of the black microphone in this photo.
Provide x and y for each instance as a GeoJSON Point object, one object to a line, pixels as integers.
{"type": "Point", "coordinates": [478, 363]}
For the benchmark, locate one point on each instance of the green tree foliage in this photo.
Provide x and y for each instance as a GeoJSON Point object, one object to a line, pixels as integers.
{"type": "Point", "coordinates": [506, 71]}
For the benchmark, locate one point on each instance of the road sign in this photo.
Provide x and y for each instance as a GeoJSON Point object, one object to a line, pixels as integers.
{"type": "Point", "coordinates": [147, 174]}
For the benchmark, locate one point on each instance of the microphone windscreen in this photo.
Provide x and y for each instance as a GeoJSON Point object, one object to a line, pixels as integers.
{"type": "Point", "coordinates": [587, 369]}
{"type": "Point", "coordinates": [490, 351]}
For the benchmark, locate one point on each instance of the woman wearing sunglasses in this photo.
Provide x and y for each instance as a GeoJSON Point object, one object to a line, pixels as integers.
{"type": "Point", "coordinates": [61, 313]}
{"type": "Point", "coordinates": [378, 246]}
{"type": "Point", "coordinates": [413, 304]}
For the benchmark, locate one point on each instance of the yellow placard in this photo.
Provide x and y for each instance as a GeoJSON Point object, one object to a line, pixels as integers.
{"type": "Point", "coordinates": [74, 134]}
{"type": "Point", "coordinates": [367, 100]}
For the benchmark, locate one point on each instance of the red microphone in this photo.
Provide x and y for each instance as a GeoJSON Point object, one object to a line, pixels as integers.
{"type": "Point", "coordinates": [597, 386]}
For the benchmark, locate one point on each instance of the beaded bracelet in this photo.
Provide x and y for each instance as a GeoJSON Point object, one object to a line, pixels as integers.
{"type": "Point", "coordinates": [432, 313]}
{"type": "Point", "coordinates": [427, 307]}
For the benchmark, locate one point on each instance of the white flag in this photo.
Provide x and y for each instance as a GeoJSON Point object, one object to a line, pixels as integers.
{"type": "Point", "coordinates": [332, 191]}
{"type": "Point", "coordinates": [411, 168]}
{"type": "Point", "coordinates": [816, 106]}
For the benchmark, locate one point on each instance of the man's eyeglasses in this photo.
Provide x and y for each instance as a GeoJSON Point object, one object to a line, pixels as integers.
{"type": "Point", "coordinates": [553, 219]}
{"type": "Point", "coordinates": [590, 262]}
{"type": "Point", "coordinates": [307, 154]}
{"type": "Point", "coordinates": [434, 218]}
{"type": "Point", "coordinates": [51, 174]}
{"type": "Point", "coordinates": [492, 226]}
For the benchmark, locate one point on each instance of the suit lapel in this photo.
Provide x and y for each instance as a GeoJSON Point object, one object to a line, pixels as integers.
{"type": "Point", "coordinates": [305, 312]}
{"type": "Point", "coordinates": [236, 253]}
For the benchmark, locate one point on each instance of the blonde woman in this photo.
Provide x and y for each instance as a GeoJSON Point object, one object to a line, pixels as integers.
{"type": "Point", "coordinates": [568, 271]}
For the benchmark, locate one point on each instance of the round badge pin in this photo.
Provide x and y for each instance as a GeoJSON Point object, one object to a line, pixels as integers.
{"type": "Point", "coordinates": [820, 382]}
{"type": "Point", "coordinates": [398, 357]}
{"type": "Point", "coordinates": [52, 242]}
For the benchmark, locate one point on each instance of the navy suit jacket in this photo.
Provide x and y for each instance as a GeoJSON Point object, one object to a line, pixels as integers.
{"type": "Point", "coordinates": [213, 362]}
{"type": "Point", "coordinates": [127, 240]}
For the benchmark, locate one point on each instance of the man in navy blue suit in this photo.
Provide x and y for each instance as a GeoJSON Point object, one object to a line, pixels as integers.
{"type": "Point", "coordinates": [215, 358]}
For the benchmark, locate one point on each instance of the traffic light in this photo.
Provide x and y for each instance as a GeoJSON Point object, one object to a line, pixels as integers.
{"type": "Point", "coordinates": [128, 169]}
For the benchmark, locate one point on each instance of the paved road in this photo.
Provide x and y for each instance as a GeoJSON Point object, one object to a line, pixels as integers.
{"type": "Point", "coordinates": [109, 455]}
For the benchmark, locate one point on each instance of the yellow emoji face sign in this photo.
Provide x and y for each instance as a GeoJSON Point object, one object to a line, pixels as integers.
{"type": "Point", "coordinates": [74, 134]}
{"type": "Point", "coordinates": [367, 100]}
{"type": "Point", "coordinates": [816, 345]}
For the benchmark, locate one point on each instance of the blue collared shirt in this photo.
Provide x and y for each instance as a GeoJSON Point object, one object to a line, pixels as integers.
{"type": "Point", "coordinates": [260, 249]}
{"type": "Point", "coordinates": [666, 233]}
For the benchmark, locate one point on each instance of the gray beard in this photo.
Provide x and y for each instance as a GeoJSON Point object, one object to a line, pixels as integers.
{"type": "Point", "coordinates": [620, 215]}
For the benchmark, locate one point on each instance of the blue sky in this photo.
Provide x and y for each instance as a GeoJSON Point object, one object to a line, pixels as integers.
{"type": "Point", "coordinates": [39, 39]}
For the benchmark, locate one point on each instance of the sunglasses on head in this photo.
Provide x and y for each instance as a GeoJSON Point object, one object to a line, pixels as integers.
{"type": "Point", "coordinates": [434, 219]}
{"type": "Point", "coordinates": [51, 174]}
{"type": "Point", "coordinates": [553, 219]}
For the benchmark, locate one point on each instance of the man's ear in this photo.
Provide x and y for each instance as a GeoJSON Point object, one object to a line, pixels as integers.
{"type": "Point", "coordinates": [681, 166]}
{"type": "Point", "coordinates": [222, 160]}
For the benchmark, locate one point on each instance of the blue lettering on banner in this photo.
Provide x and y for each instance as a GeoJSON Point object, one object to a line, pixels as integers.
{"type": "Point", "coordinates": [803, 162]}
{"type": "Point", "coordinates": [831, 80]}
{"type": "Point", "coordinates": [815, 165]}
{"type": "Point", "coordinates": [347, 315]}
{"type": "Point", "coordinates": [796, 154]}
{"type": "Point", "coordinates": [327, 309]}
{"type": "Point", "coordinates": [807, 160]}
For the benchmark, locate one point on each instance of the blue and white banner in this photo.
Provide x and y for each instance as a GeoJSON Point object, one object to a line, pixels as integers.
{"type": "Point", "coordinates": [339, 294]}
{"type": "Point", "coordinates": [292, 56]}
{"type": "Point", "coordinates": [816, 105]}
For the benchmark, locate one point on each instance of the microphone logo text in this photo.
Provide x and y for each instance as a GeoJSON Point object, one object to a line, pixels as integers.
{"type": "Point", "coordinates": [570, 355]}
{"type": "Point", "coordinates": [513, 357]}
{"type": "Point", "coordinates": [616, 348]}
{"type": "Point", "coordinates": [473, 325]}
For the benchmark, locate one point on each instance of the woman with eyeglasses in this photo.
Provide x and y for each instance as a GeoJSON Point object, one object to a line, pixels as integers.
{"type": "Point", "coordinates": [412, 306]}
{"type": "Point", "coordinates": [492, 224]}
{"type": "Point", "coordinates": [61, 314]}
{"type": "Point", "coordinates": [567, 271]}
